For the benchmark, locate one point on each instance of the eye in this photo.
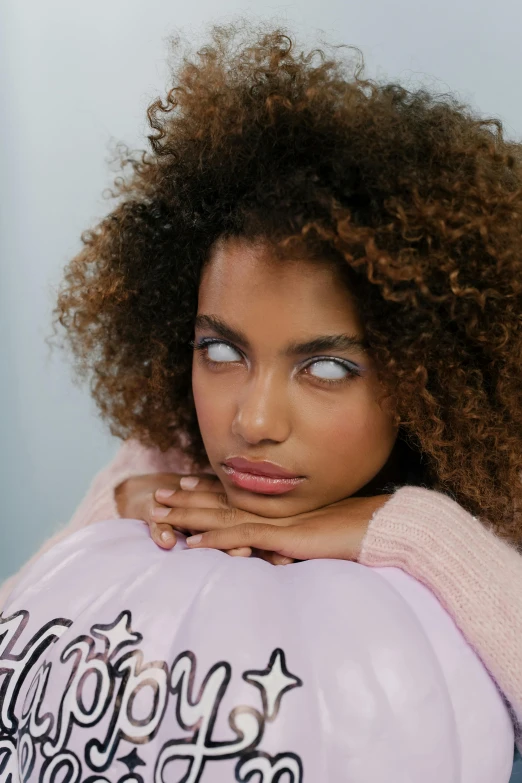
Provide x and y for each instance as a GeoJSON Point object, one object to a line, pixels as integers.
{"type": "Point", "coordinates": [331, 369]}
{"type": "Point", "coordinates": [222, 352]}
{"type": "Point", "coordinates": [217, 351]}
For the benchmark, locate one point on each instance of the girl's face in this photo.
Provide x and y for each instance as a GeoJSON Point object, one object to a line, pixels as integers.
{"type": "Point", "coordinates": [280, 375]}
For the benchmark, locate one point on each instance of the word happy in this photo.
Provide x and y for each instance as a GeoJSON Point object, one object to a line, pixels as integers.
{"type": "Point", "coordinates": [109, 658]}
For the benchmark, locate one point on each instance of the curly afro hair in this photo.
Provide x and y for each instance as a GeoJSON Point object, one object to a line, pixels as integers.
{"type": "Point", "coordinates": [418, 197]}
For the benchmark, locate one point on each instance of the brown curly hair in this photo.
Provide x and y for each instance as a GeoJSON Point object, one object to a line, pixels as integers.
{"type": "Point", "coordinates": [419, 197]}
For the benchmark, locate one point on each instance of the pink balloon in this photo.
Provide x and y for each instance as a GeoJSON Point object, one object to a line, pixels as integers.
{"type": "Point", "coordinates": [123, 662]}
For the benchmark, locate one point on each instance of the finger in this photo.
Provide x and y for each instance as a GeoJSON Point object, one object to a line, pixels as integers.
{"type": "Point", "coordinates": [202, 483]}
{"type": "Point", "coordinates": [203, 519]}
{"type": "Point", "coordinates": [160, 514]}
{"type": "Point", "coordinates": [284, 541]}
{"type": "Point", "coordinates": [280, 560]}
{"type": "Point", "coordinates": [242, 551]}
{"type": "Point", "coordinates": [274, 558]}
{"type": "Point", "coordinates": [199, 519]}
{"type": "Point", "coordinates": [194, 499]}
{"type": "Point", "coordinates": [162, 535]}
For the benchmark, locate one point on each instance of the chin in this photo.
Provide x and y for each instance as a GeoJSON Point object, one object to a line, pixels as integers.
{"type": "Point", "coordinates": [270, 506]}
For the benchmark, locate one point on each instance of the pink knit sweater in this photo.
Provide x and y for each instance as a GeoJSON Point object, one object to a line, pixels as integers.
{"type": "Point", "coordinates": [476, 576]}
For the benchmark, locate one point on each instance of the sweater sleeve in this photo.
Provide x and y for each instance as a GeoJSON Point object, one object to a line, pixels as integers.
{"type": "Point", "coordinates": [475, 575]}
{"type": "Point", "coordinates": [99, 503]}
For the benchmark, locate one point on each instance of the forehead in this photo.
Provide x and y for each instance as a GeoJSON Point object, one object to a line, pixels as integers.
{"type": "Point", "coordinates": [244, 284]}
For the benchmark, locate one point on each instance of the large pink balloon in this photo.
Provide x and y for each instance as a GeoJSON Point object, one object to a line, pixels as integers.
{"type": "Point", "coordinates": [123, 662]}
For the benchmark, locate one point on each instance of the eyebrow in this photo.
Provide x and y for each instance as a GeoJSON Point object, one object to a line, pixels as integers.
{"type": "Point", "coordinates": [329, 342]}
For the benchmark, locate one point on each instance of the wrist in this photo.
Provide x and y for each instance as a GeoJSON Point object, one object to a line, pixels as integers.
{"type": "Point", "coordinates": [360, 513]}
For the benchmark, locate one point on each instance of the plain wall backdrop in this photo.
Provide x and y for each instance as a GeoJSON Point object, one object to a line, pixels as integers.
{"type": "Point", "coordinates": [77, 77]}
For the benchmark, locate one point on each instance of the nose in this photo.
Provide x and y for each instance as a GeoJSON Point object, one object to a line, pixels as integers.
{"type": "Point", "coordinates": [263, 411]}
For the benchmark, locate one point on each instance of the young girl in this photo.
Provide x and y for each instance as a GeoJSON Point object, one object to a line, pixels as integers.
{"type": "Point", "coordinates": [308, 297]}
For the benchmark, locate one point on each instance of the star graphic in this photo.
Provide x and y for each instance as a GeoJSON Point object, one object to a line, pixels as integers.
{"type": "Point", "coordinates": [132, 760]}
{"type": "Point", "coordinates": [273, 683]}
{"type": "Point", "coordinates": [117, 634]}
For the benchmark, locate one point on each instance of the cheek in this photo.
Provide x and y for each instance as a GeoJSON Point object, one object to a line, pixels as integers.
{"type": "Point", "coordinates": [354, 436]}
{"type": "Point", "coordinates": [213, 404]}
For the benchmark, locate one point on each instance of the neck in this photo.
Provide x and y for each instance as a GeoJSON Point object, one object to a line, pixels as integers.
{"type": "Point", "coordinates": [402, 467]}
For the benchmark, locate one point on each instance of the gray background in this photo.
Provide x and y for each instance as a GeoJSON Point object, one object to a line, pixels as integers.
{"type": "Point", "coordinates": [76, 77]}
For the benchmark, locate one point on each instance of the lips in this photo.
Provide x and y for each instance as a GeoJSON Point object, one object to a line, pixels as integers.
{"type": "Point", "coordinates": [264, 478]}
{"type": "Point", "coordinates": [260, 468]}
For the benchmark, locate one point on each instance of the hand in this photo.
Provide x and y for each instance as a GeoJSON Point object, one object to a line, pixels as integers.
{"type": "Point", "coordinates": [135, 500]}
{"type": "Point", "coordinates": [334, 531]}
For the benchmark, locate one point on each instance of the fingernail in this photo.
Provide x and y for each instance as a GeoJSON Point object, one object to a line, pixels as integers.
{"type": "Point", "coordinates": [164, 494]}
{"type": "Point", "coordinates": [160, 512]}
{"type": "Point", "coordinates": [282, 560]}
{"type": "Point", "coordinates": [189, 482]}
{"type": "Point", "coordinates": [167, 537]}
{"type": "Point", "coordinates": [194, 539]}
